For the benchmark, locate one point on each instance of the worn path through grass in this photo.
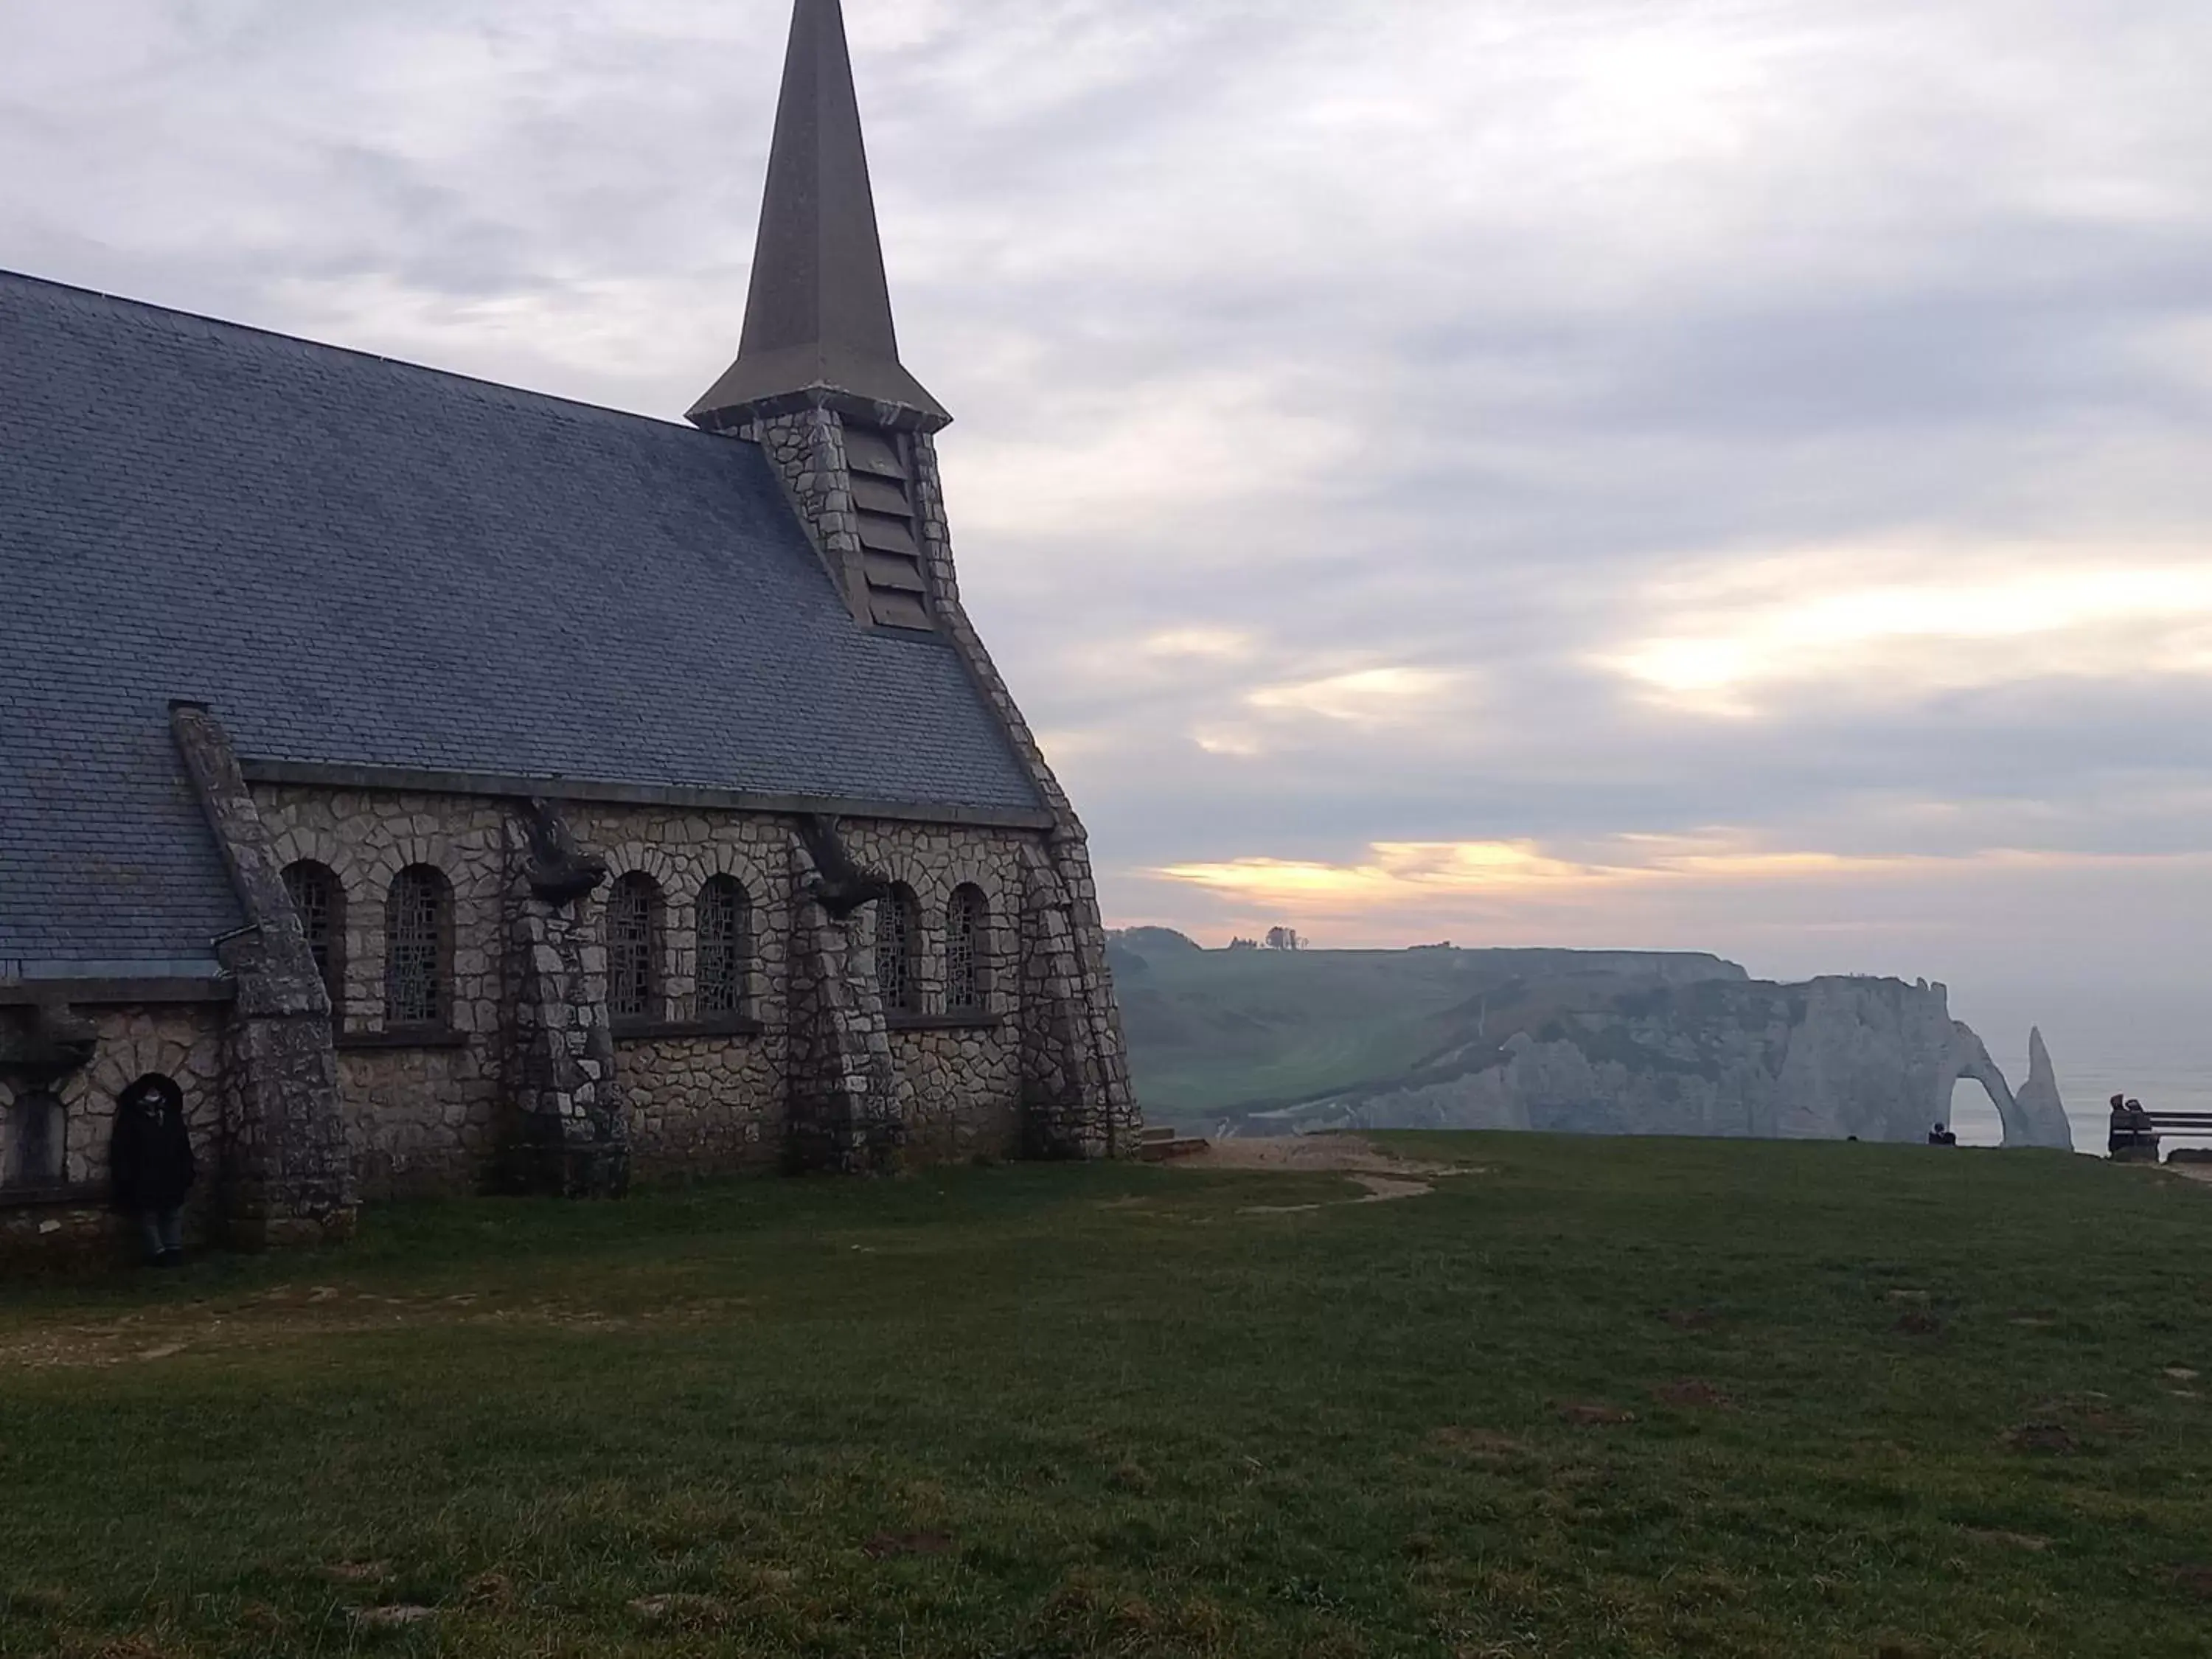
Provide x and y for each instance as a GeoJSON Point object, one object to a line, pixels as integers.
{"type": "Point", "coordinates": [1602, 1398]}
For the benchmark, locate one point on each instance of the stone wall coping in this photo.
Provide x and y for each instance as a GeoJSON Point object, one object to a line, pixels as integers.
{"type": "Point", "coordinates": [369, 1042]}
{"type": "Point", "coordinates": [663, 1030]}
{"type": "Point", "coordinates": [976, 1022]}
{"type": "Point", "coordinates": [113, 993]}
{"type": "Point", "coordinates": [85, 1195]}
{"type": "Point", "coordinates": [495, 786]}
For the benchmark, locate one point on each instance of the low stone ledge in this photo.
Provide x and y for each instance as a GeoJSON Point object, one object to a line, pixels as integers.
{"type": "Point", "coordinates": [682, 1030]}
{"type": "Point", "coordinates": [977, 1022]}
{"type": "Point", "coordinates": [388, 1042]}
{"type": "Point", "coordinates": [84, 1195]}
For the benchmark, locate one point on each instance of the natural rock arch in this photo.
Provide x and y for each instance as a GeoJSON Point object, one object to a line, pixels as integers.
{"type": "Point", "coordinates": [2033, 1119]}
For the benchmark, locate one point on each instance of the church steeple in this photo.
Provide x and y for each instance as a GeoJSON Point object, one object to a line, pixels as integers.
{"type": "Point", "coordinates": [818, 329]}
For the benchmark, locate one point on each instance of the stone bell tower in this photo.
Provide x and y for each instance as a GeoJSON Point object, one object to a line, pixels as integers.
{"type": "Point", "coordinates": [818, 385]}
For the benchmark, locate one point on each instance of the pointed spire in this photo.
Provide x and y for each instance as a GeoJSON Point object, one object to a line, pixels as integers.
{"type": "Point", "coordinates": [818, 325]}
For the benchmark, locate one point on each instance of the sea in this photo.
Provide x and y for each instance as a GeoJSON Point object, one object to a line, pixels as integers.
{"type": "Point", "coordinates": [2151, 1044]}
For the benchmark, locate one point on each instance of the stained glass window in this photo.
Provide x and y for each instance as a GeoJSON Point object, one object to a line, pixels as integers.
{"type": "Point", "coordinates": [634, 949]}
{"type": "Point", "coordinates": [725, 943]}
{"type": "Point", "coordinates": [966, 925]}
{"type": "Point", "coordinates": [418, 948]}
{"type": "Point", "coordinates": [320, 901]}
{"type": "Point", "coordinates": [898, 934]}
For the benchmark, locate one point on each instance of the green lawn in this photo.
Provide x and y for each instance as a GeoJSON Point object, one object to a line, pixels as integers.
{"type": "Point", "coordinates": [1884, 1401]}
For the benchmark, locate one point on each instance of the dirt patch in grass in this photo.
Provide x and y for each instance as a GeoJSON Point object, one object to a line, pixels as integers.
{"type": "Point", "coordinates": [1584, 1415]}
{"type": "Point", "coordinates": [681, 1612]}
{"type": "Point", "coordinates": [1692, 1394]}
{"type": "Point", "coordinates": [2012, 1540]}
{"type": "Point", "coordinates": [1482, 1445]}
{"type": "Point", "coordinates": [490, 1592]}
{"type": "Point", "coordinates": [2044, 1439]}
{"type": "Point", "coordinates": [1383, 1177]}
{"type": "Point", "coordinates": [393, 1618]}
{"type": "Point", "coordinates": [891, 1546]}
{"type": "Point", "coordinates": [131, 1647]}
{"type": "Point", "coordinates": [2194, 1581]}
{"type": "Point", "coordinates": [1314, 1154]}
{"type": "Point", "coordinates": [358, 1573]}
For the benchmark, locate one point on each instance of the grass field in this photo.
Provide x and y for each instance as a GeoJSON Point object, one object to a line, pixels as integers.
{"type": "Point", "coordinates": [1587, 1398]}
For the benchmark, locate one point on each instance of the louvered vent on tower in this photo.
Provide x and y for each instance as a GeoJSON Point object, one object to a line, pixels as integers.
{"type": "Point", "coordinates": [881, 469]}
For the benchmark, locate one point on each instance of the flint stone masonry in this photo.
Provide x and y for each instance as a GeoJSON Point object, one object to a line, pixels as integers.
{"type": "Point", "coordinates": [186, 1044]}
{"type": "Point", "coordinates": [812, 1075]}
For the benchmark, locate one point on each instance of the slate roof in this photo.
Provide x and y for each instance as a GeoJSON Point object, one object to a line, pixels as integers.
{"type": "Point", "coordinates": [355, 562]}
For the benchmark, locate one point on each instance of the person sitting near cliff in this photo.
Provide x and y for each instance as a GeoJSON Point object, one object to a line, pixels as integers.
{"type": "Point", "coordinates": [1939, 1136]}
{"type": "Point", "coordinates": [2132, 1130]}
{"type": "Point", "coordinates": [151, 1165]}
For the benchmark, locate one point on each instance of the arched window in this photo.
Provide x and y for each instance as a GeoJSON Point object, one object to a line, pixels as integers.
{"type": "Point", "coordinates": [898, 937]}
{"type": "Point", "coordinates": [634, 949]}
{"type": "Point", "coordinates": [37, 1142]}
{"type": "Point", "coordinates": [966, 934]}
{"type": "Point", "coordinates": [418, 949]}
{"type": "Point", "coordinates": [725, 948]}
{"type": "Point", "coordinates": [320, 901]}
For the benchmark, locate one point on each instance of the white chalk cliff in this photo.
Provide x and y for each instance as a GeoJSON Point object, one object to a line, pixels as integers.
{"type": "Point", "coordinates": [2041, 1112]}
{"type": "Point", "coordinates": [1877, 1059]}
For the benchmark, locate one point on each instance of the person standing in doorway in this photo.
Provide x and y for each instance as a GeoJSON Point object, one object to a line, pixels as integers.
{"type": "Point", "coordinates": [152, 1165]}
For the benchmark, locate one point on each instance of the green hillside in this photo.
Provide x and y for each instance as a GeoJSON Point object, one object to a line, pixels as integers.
{"type": "Point", "coordinates": [1218, 1035]}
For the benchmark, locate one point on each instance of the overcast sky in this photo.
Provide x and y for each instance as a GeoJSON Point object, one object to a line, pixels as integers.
{"type": "Point", "coordinates": [1723, 474]}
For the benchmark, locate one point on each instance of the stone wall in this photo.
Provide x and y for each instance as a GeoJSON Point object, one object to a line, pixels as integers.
{"type": "Point", "coordinates": [966, 1099]}
{"type": "Point", "coordinates": [184, 1042]}
{"type": "Point", "coordinates": [420, 1118]}
{"type": "Point", "coordinates": [429, 1112]}
{"type": "Point", "coordinates": [428, 1117]}
{"type": "Point", "coordinates": [702, 1106]}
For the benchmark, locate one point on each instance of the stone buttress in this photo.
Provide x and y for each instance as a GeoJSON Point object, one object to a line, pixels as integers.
{"type": "Point", "coordinates": [567, 1133]}
{"type": "Point", "coordinates": [285, 1175]}
{"type": "Point", "coordinates": [847, 1112]}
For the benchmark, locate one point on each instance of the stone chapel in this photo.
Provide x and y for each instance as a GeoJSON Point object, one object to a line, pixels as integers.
{"type": "Point", "coordinates": [453, 787]}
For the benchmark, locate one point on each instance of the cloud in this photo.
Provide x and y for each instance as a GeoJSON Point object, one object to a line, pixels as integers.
{"type": "Point", "coordinates": [1363, 696]}
{"type": "Point", "coordinates": [1890, 625]}
{"type": "Point", "coordinates": [1399, 875]}
{"type": "Point", "coordinates": [1548, 428]}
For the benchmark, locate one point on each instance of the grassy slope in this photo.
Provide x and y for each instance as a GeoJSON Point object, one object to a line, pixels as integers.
{"type": "Point", "coordinates": [1218, 1034]}
{"type": "Point", "coordinates": [1221, 1032]}
{"type": "Point", "coordinates": [1138, 1418]}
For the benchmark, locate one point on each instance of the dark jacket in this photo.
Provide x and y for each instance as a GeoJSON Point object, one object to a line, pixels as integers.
{"type": "Point", "coordinates": [151, 1158]}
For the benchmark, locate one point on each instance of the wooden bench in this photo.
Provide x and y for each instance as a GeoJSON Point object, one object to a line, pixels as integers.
{"type": "Point", "coordinates": [2178, 1126]}
{"type": "Point", "coordinates": [1161, 1146]}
